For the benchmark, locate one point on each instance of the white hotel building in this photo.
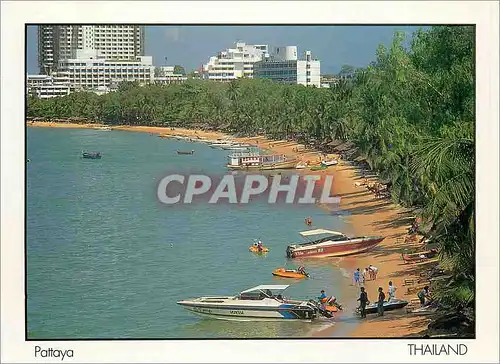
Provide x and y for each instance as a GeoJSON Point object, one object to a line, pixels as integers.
{"type": "Point", "coordinates": [89, 70]}
{"type": "Point", "coordinates": [234, 63]}
{"type": "Point", "coordinates": [282, 65]}
{"type": "Point", "coordinates": [45, 86]}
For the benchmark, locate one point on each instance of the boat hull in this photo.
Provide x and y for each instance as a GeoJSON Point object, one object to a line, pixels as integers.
{"type": "Point", "coordinates": [283, 273]}
{"type": "Point", "coordinates": [335, 249]}
{"type": "Point", "coordinates": [388, 306]}
{"type": "Point", "coordinates": [254, 249]}
{"type": "Point", "coordinates": [252, 313]}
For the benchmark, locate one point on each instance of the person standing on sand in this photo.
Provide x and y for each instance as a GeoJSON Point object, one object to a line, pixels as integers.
{"type": "Point", "coordinates": [373, 272]}
{"type": "Point", "coordinates": [380, 302]}
{"type": "Point", "coordinates": [363, 301]}
{"type": "Point", "coordinates": [357, 277]}
{"type": "Point", "coordinates": [366, 274]}
{"type": "Point", "coordinates": [391, 291]}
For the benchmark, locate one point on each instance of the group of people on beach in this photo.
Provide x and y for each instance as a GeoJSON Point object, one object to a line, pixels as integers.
{"type": "Point", "coordinates": [369, 273]}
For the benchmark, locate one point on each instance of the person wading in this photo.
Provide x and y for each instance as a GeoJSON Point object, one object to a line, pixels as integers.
{"type": "Point", "coordinates": [363, 301]}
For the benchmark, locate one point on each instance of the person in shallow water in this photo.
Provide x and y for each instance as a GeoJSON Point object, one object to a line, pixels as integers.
{"type": "Point", "coordinates": [322, 299]}
{"type": "Point", "coordinates": [363, 301]}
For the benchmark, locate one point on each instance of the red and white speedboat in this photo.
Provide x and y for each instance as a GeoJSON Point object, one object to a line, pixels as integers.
{"type": "Point", "coordinates": [327, 243]}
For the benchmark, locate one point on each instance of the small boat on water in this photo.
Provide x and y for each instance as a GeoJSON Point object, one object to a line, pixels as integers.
{"type": "Point", "coordinates": [388, 306]}
{"type": "Point", "coordinates": [289, 273]}
{"type": "Point", "coordinates": [103, 128]}
{"type": "Point", "coordinates": [329, 243]}
{"type": "Point", "coordinates": [260, 161]}
{"type": "Point", "coordinates": [221, 145]}
{"type": "Point", "coordinates": [185, 152]}
{"type": "Point", "coordinates": [91, 155]}
{"type": "Point", "coordinates": [255, 249]}
{"type": "Point", "coordinates": [260, 303]}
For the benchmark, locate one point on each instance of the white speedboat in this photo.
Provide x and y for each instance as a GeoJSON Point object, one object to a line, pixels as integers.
{"type": "Point", "coordinates": [331, 162]}
{"type": "Point", "coordinates": [261, 303]}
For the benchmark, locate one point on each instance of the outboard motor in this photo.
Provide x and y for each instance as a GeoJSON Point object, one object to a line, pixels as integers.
{"type": "Point", "coordinates": [321, 311]}
{"type": "Point", "coordinates": [288, 252]}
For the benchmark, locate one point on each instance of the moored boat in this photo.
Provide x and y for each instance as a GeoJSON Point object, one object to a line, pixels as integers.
{"type": "Point", "coordinates": [264, 302]}
{"type": "Point", "coordinates": [289, 273]}
{"type": "Point", "coordinates": [255, 249]}
{"type": "Point", "coordinates": [329, 243]}
{"type": "Point", "coordinates": [260, 161]}
{"type": "Point", "coordinates": [103, 128]}
{"type": "Point", "coordinates": [91, 155]}
{"type": "Point", "coordinates": [185, 152]}
{"type": "Point", "coordinates": [388, 306]}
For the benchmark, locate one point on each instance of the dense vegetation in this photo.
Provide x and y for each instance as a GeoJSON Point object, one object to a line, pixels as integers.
{"type": "Point", "coordinates": [411, 113]}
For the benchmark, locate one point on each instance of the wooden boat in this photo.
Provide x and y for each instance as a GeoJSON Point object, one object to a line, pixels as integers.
{"type": "Point", "coordinates": [185, 152]}
{"type": "Point", "coordinates": [260, 161]}
{"type": "Point", "coordinates": [289, 273]}
{"type": "Point", "coordinates": [419, 257]}
{"type": "Point", "coordinates": [92, 155]}
{"type": "Point", "coordinates": [329, 243]}
{"type": "Point", "coordinates": [254, 249]}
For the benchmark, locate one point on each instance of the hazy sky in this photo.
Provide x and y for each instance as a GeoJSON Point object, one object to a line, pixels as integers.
{"type": "Point", "coordinates": [191, 46]}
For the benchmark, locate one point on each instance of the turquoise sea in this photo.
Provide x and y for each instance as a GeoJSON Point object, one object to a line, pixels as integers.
{"type": "Point", "coordinates": [106, 260]}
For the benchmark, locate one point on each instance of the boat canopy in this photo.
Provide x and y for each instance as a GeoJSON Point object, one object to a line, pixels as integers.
{"type": "Point", "coordinates": [271, 287]}
{"type": "Point", "coordinates": [319, 232]}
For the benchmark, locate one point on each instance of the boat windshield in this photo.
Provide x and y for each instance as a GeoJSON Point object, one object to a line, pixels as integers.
{"type": "Point", "coordinates": [325, 237]}
{"type": "Point", "coordinates": [263, 291]}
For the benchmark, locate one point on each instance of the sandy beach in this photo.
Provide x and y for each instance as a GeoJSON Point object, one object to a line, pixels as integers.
{"type": "Point", "coordinates": [367, 215]}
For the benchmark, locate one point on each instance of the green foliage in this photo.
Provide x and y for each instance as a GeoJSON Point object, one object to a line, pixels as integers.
{"type": "Point", "coordinates": [411, 113]}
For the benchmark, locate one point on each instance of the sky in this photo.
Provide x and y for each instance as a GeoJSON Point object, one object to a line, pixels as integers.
{"type": "Point", "coordinates": [191, 46]}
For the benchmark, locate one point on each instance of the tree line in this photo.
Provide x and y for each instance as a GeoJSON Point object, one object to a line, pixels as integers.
{"type": "Point", "coordinates": [411, 114]}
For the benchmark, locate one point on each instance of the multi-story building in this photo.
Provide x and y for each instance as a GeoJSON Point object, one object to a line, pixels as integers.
{"type": "Point", "coordinates": [44, 86]}
{"type": "Point", "coordinates": [282, 65]}
{"type": "Point", "coordinates": [114, 42]}
{"type": "Point", "coordinates": [92, 71]}
{"type": "Point", "coordinates": [234, 63]}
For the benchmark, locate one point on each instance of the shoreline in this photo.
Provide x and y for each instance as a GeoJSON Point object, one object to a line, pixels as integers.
{"type": "Point", "coordinates": [366, 216]}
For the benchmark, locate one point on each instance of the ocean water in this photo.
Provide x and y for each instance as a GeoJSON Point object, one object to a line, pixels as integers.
{"type": "Point", "coordinates": [106, 260]}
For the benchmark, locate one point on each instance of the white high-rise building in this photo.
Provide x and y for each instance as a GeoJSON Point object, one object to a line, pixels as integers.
{"type": "Point", "coordinates": [234, 63]}
{"type": "Point", "coordinates": [114, 42]}
{"type": "Point", "coordinates": [282, 65]}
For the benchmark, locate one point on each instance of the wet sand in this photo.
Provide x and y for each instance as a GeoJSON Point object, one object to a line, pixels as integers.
{"type": "Point", "coordinates": [365, 215]}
